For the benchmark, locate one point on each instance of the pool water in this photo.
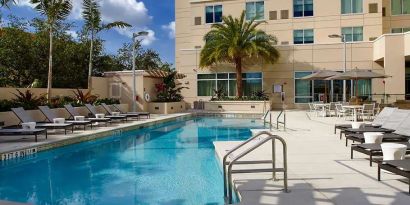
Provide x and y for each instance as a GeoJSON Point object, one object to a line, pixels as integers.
{"type": "Point", "coordinates": [171, 163]}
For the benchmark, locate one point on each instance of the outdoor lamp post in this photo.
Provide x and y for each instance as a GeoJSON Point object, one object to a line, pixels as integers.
{"type": "Point", "coordinates": [134, 43]}
{"type": "Point", "coordinates": [343, 38]}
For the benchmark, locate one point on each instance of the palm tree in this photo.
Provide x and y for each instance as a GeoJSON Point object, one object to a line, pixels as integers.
{"type": "Point", "coordinates": [92, 16]}
{"type": "Point", "coordinates": [5, 2]}
{"type": "Point", "coordinates": [55, 11]}
{"type": "Point", "coordinates": [235, 40]}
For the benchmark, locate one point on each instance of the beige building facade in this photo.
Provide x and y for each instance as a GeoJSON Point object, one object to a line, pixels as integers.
{"type": "Point", "coordinates": [376, 33]}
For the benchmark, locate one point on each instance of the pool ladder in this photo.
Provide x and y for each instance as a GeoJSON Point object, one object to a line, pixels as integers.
{"type": "Point", "coordinates": [250, 145]}
{"type": "Point", "coordinates": [278, 118]}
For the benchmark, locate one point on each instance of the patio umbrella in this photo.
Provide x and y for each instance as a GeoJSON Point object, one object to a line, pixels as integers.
{"type": "Point", "coordinates": [357, 75]}
{"type": "Point", "coordinates": [321, 75]}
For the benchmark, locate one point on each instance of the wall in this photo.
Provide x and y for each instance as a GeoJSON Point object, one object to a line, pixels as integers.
{"type": "Point", "coordinates": [393, 21]}
{"type": "Point", "coordinates": [166, 107]}
{"type": "Point", "coordinates": [326, 53]}
{"type": "Point", "coordinates": [407, 44]}
{"type": "Point", "coordinates": [100, 89]}
{"type": "Point", "coordinates": [235, 106]}
{"type": "Point", "coordinates": [143, 84]}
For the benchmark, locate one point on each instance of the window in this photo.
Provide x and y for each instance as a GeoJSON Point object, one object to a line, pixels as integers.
{"type": "Point", "coordinates": [352, 6]}
{"type": "Point", "coordinates": [400, 30]}
{"type": "Point", "coordinates": [115, 90]}
{"type": "Point", "coordinates": [303, 88]}
{"type": "Point", "coordinates": [303, 36]}
{"type": "Point", "coordinates": [213, 14]}
{"type": "Point", "coordinates": [302, 8]}
{"type": "Point", "coordinates": [353, 33]}
{"type": "Point", "coordinates": [227, 81]}
{"type": "Point", "coordinates": [255, 10]}
{"type": "Point", "coordinates": [399, 7]}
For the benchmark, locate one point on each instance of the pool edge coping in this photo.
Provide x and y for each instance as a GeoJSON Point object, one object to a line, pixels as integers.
{"type": "Point", "coordinates": [93, 136]}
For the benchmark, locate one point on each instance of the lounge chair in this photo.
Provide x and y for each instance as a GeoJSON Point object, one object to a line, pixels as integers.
{"type": "Point", "coordinates": [20, 132]}
{"type": "Point", "coordinates": [377, 122]}
{"type": "Point", "coordinates": [25, 117]}
{"type": "Point", "coordinates": [128, 115]}
{"type": "Point", "coordinates": [50, 115]}
{"type": "Point", "coordinates": [401, 133]}
{"type": "Point", "coordinates": [390, 125]}
{"type": "Point", "coordinates": [70, 109]}
{"type": "Point", "coordinates": [372, 149]}
{"type": "Point", "coordinates": [147, 114]}
{"type": "Point", "coordinates": [94, 112]}
{"type": "Point", "coordinates": [399, 167]}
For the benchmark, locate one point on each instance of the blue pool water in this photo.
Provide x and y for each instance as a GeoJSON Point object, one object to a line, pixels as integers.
{"type": "Point", "coordinates": [171, 163]}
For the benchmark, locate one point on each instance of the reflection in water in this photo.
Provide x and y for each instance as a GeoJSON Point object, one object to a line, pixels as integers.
{"type": "Point", "coordinates": [173, 163]}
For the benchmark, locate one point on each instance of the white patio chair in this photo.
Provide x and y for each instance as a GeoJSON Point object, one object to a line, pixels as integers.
{"type": "Point", "coordinates": [367, 111]}
{"type": "Point", "coordinates": [342, 112]}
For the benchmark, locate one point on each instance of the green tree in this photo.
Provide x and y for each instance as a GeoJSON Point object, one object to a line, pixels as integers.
{"type": "Point", "coordinates": [55, 11]}
{"type": "Point", "coordinates": [235, 40]}
{"type": "Point", "coordinates": [145, 59]}
{"type": "Point", "coordinates": [93, 24]}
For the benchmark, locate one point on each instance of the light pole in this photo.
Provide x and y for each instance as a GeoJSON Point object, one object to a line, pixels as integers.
{"type": "Point", "coordinates": [134, 43]}
{"type": "Point", "coordinates": [343, 38]}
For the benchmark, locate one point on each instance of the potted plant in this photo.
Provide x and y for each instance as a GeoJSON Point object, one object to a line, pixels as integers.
{"type": "Point", "coordinates": [169, 97]}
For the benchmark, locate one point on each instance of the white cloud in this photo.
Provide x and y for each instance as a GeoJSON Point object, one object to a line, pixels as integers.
{"type": "Point", "coordinates": [170, 28]}
{"type": "Point", "coordinates": [24, 3]}
{"type": "Point", "coordinates": [133, 12]}
{"type": "Point", "coordinates": [146, 40]}
{"type": "Point", "coordinates": [73, 34]}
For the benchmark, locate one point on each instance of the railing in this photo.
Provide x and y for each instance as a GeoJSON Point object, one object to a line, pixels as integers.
{"type": "Point", "coordinates": [380, 98]}
{"type": "Point", "coordinates": [282, 112]}
{"type": "Point", "coordinates": [262, 137]}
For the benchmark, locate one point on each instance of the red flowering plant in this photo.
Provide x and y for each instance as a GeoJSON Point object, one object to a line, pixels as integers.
{"type": "Point", "coordinates": [169, 90]}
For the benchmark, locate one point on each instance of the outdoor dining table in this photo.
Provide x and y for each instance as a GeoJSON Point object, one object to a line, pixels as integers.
{"type": "Point", "coordinates": [355, 109]}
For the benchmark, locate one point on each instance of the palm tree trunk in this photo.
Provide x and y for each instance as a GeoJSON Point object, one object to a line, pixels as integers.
{"type": "Point", "coordinates": [90, 64]}
{"type": "Point", "coordinates": [50, 66]}
{"type": "Point", "coordinates": [238, 65]}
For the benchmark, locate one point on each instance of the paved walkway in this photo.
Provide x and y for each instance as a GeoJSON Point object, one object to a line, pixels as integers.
{"type": "Point", "coordinates": [320, 170]}
{"type": "Point", "coordinates": [13, 143]}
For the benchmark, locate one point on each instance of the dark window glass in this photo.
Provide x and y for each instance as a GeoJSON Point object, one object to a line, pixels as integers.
{"type": "Point", "coordinates": [209, 16]}
{"type": "Point", "coordinates": [206, 76]}
{"type": "Point", "coordinates": [218, 14]}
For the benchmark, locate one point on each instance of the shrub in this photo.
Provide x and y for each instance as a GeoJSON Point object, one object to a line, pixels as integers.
{"type": "Point", "coordinates": [219, 94]}
{"type": "Point", "coordinates": [259, 95]}
{"type": "Point", "coordinates": [28, 100]}
{"type": "Point", "coordinates": [108, 101]}
{"type": "Point", "coordinates": [84, 98]}
{"type": "Point", "coordinates": [60, 101]}
{"type": "Point", "coordinates": [6, 105]}
{"type": "Point", "coordinates": [169, 91]}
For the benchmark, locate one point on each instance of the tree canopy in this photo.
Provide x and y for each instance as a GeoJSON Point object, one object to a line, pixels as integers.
{"type": "Point", "coordinates": [24, 55]}
{"type": "Point", "coordinates": [236, 40]}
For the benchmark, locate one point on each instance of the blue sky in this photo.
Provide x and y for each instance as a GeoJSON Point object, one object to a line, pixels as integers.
{"type": "Point", "coordinates": [155, 16]}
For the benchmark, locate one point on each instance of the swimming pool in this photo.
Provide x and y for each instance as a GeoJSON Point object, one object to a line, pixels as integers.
{"type": "Point", "coordinates": [171, 163]}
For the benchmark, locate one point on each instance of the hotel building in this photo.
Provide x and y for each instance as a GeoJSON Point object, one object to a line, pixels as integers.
{"type": "Point", "coordinates": [376, 33]}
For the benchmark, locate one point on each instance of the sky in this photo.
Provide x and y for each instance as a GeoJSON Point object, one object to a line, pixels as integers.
{"type": "Point", "coordinates": [155, 16]}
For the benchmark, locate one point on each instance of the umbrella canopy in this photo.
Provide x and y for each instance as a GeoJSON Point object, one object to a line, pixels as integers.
{"type": "Point", "coordinates": [357, 74]}
{"type": "Point", "coordinates": [320, 75]}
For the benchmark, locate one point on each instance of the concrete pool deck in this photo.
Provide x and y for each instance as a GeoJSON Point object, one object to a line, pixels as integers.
{"type": "Point", "coordinates": [320, 169]}
{"type": "Point", "coordinates": [15, 143]}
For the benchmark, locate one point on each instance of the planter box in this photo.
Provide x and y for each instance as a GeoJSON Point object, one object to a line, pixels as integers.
{"type": "Point", "coordinates": [166, 107]}
{"type": "Point", "coordinates": [237, 106]}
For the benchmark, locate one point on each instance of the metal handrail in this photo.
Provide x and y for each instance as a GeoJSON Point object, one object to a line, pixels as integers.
{"type": "Point", "coordinates": [228, 173]}
{"type": "Point", "coordinates": [284, 120]}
